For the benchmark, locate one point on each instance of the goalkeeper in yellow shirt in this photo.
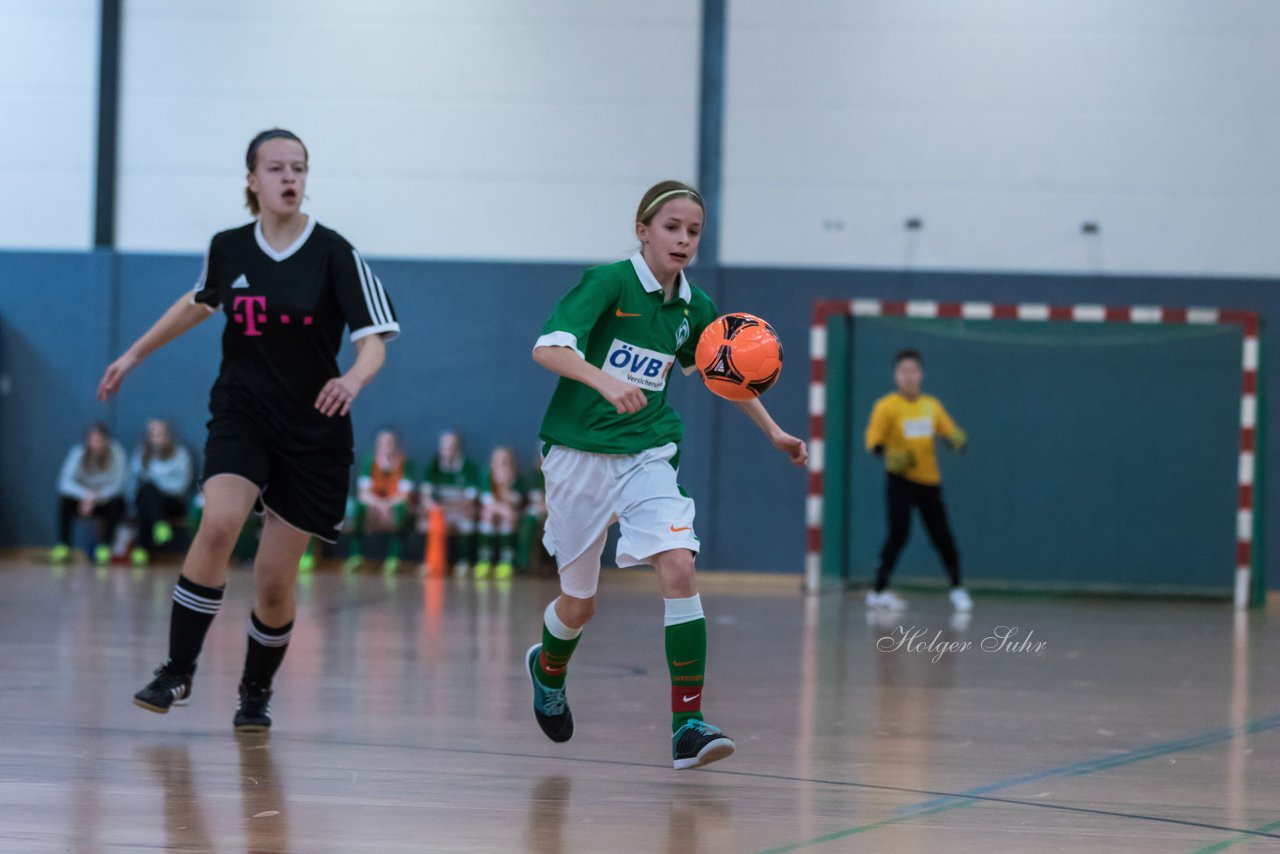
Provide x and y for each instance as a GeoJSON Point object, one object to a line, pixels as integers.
{"type": "Point", "coordinates": [901, 431]}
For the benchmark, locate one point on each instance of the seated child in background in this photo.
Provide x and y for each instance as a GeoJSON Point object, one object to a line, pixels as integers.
{"type": "Point", "coordinates": [383, 490]}
{"type": "Point", "coordinates": [452, 483]}
{"type": "Point", "coordinates": [91, 485]}
{"type": "Point", "coordinates": [161, 471]}
{"type": "Point", "coordinates": [501, 503]}
{"type": "Point", "coordinates": [529, 551]}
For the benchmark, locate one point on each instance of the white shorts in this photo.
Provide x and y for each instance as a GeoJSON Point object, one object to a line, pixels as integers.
{"type": "Point", "coordinates": [586, 493]}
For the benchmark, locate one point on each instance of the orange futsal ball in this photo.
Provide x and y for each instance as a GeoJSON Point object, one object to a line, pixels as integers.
{"type": "Point", "coordinates": [739, 356]}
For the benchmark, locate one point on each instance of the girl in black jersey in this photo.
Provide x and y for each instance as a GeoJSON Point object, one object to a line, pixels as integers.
{"type": "Point", "coordinates": [280, 434]}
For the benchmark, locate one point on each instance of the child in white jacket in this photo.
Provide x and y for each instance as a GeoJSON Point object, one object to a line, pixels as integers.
{"type": "Point", "coordinates": [91, 485]}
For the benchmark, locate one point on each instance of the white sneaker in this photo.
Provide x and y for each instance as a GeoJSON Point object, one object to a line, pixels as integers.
{"type": "Point", "coordinates": [887, 599]}
{"type": "Point", "coordinates": [960, 600]}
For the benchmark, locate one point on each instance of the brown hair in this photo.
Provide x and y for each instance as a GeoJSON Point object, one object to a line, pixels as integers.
{"type": "Point", "coordinates": [162, 452]}
{"type": "Point", "coordinates": [251, 160]}
{"type": "Point", "coordinates": [661, 193]}
{"type": "Point", "coordinates": [503, 450]}
{"type": "Point", "coordinates": [100, 461]}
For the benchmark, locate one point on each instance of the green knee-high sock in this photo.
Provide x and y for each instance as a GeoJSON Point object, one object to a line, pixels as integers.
{"type": "Point", "coordinates": [355, 543]}
{"type": "Point", "coordinates": [506, 548]}
{"type": "Point", "coordinates": [526, 540]}
{"type": "Point", "coordinates": [558, 643]}
{"type": "Point", "coordinates": [397, 536]}
{"type": "Point", "coordinates": [686, 637]}
{"type": "Point", "coordinates": [484, 554]}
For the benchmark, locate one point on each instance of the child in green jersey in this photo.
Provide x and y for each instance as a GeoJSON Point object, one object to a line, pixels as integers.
{"type": "Point", "coordinates": [529, 549]}
{"type": "Point", "coordinates": [501, 504]}
{"type": "Point", "coordinates": [613, 451]}
{"type": "Point", "coordinates": [452, 483]}
{"type": "Point", "coordinates": [384, 488]}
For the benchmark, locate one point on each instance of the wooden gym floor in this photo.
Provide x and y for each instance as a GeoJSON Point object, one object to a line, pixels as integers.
{"type": "Point", "coordinates": [403, 724]}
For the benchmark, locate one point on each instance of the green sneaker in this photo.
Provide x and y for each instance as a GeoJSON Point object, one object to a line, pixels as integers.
{"type": "Point", "coordinates": [698, 743]}
{"type": "Point", "coordinates": [503, 571]}
{"type": "Point", "coordinates": [391, 566]}
{"type": "Point", "coordinates": [353, 564]}
{"type": "Point", "coordinates": [550, 705]}
{"type": "Point", "coordinates": [139, 556]}
{"type": "Point", "coordinates": [61, 553]}
{"type": "Point", "coordinates": [102, 555]}
{"type": "Point", "coordinates": [483, 568]}
{"type": "Point", "coordinates": [307, 562]}
{"type": "Point", "coordinates": [161, 533]}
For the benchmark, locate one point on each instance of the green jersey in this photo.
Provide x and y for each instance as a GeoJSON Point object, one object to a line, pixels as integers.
{"type": "Point", "coordinates": [449, 485]}
{"type": "Point", "coordinates": [616, 318]}
{"type": "Point", "coordinates": [518, 490]}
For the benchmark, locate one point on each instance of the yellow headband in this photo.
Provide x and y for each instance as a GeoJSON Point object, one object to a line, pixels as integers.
{"type": "Point", "coordinates": [661, 197]}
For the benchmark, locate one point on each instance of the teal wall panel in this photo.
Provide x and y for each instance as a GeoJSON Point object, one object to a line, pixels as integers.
{"type": "Point", "coordinates": [463, 360]}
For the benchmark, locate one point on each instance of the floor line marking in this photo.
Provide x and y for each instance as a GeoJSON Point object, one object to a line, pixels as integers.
{"type": "Point", "coordinates": [1243, 837]}
{"type": "Point", "coordinates": [1079, 769]}
{"type": "Point", "coordinates": [979, 794]}
{"type": "Point", "coordinates": [945, 801]}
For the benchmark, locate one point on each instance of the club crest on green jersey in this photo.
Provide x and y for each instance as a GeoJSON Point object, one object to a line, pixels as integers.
{"type": "Point", "coordinates": [682, 333]}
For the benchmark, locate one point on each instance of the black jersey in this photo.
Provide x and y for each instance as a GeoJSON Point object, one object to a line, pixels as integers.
{"type": "Point", "coordinates": [285, 315]}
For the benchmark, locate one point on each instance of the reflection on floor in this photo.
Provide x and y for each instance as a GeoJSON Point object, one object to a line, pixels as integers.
{"type": "Point", "coordinates": [403, 723]}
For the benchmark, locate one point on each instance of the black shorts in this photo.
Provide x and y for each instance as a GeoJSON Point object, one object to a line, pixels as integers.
{"type": "Point", "coordinates": [305, 488]}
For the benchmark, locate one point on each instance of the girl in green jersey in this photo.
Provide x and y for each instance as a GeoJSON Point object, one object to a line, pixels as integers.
{"type": "Point", "coordinates": [612, 453]}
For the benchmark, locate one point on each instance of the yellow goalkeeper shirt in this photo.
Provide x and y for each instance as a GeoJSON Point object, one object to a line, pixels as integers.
{"type": "Point", "coordinates": [910, 425]}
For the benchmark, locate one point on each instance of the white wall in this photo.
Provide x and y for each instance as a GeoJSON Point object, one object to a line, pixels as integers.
{"type": "Point", "coordinates": [1004, 124]}
{"type": "Point", "coordinates": [485, 129]}
{"type": "Point", "coordinates": [504, 129]}
{"type": "Point", "coordinates": [48, 122]}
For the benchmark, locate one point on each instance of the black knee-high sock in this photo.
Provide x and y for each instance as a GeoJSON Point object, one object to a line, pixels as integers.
{"type": "Point", "coordinates": [194, 607]}
{"type": "Point", "coordinates": [266, 650]}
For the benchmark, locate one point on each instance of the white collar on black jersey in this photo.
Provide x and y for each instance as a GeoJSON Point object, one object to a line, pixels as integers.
{"type": "Point", "coordinates": [297, 244]}
{"type": "Point", "coordinates": [650, 282]}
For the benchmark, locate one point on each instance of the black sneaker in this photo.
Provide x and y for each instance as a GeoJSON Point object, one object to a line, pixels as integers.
{"type": "Point", "coordinates": [550, 706]}
{"type": "Point", "coordinates": [698, 743]}
{"type": "Point", "coordinates": [255, 707]}
{"type": "Point", "coordinates": [169, 688]}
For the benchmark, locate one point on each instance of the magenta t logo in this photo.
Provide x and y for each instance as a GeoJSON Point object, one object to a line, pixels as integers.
{"type": "Point", "coordinates": [252, 316]}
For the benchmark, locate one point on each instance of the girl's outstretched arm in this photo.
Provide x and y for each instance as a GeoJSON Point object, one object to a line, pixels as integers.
{"type": "Point", "coordinates": [794, 448]}
{"type": "Point", "coordinates": [181, 316]}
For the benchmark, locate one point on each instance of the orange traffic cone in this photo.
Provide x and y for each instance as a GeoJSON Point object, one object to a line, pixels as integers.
{"type": "Point", "coordinates": [437, 553]}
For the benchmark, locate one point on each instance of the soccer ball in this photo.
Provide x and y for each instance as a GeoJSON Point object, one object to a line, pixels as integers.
{"type": "Point", "coordinates": [739, 356]}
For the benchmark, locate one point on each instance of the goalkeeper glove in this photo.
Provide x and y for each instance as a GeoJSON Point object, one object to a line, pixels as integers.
{"type": "Point", "coordinates": [958, 440]}
{"type": "Point", "coordinates": [898, 461]}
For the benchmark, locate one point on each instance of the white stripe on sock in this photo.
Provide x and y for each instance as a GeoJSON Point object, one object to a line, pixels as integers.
{"type": "Point", "coordinates": [269, 640]}
{"type": "Point", "coordinates": [194, 602]}
{"type": "Point", "coordinates": [680, 611]}
{"type": "Point", "coordinates": [554, 625]}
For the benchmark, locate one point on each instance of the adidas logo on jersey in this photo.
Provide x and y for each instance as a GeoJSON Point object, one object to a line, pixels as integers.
{"type": "Point", "coordinates": [240, 282]}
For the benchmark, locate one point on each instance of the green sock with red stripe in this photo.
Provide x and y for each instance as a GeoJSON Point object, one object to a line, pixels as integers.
{"type": "Point", "coordinates": [558, 644]}
{"type": "Point", "coordinates": [686, 636]}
